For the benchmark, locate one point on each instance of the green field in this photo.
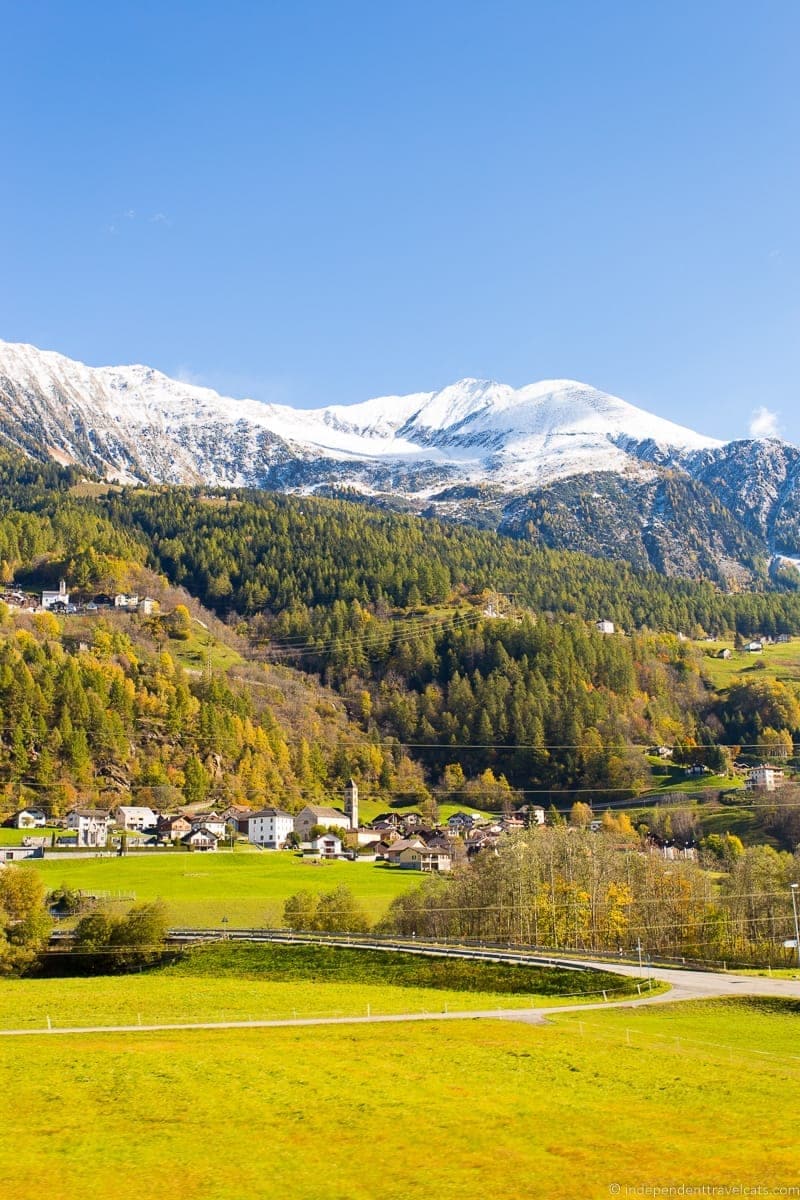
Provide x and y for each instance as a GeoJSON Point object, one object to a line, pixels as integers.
{"type": "Point", "coordinates": [699, 1095]}
{"type": "Point", "coordinates": [15, 837]}
{"type": "Point", "coordinates": [712, 817]}
{"type": "Point", "coordinates": [247, 886]}
{"type": "Point", "coordinates": [235, 982]}
{"type": "Point", "coordinates": [201, 650]}
{"type": "Point", "coordinates": [370, 810]}
{"type": "Point", "coordinates": [668, 778]}
{"type": "Point", "coordinates": [775, 662]}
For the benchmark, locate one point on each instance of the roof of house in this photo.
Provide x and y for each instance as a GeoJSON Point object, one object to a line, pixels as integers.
{"type": "Point", "coordinates": [406, 844]}
{"type": "Point", "coordinates": [434, 851]}
{"type": "Point", "coordinates": [320, 810]}
{"type": "Point", "coordinates": [201, 829]}
{"type": "Point", "coordinates": [133, 809]}
{"type": "Point", "coordinates": [97, 813]}
{"type": "Point", "coordinates": [271, 812]}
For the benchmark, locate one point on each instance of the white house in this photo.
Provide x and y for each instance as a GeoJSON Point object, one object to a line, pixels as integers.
{"type": "Point", "coordinates": [604, 626]}
{"type": "Point", "coordinates": [121, 600]}
{"type": "Point", "coordinates": [133, 816]}
{"type": "Point", "coordinates": [419, 857]}
{"type": "Point", "coordinates": [327, 845]}
{"type": "Point", "coordinates": [147, 606]}
{"type": "Point", "coordinates": [462, 821]}
{"type": "Point", "coordinates": [90, 824]}
{"type": "Point", "coordinates": [270, 827]}
{"type": "Point", "coordinates": [61, 597]}
{"type": "Point", "coordinates": [212, 822]}
{"type": "Point", "coordinates": [316, 814]}
{"type": "Point", "coordinates": [200, 839]}
{"type": "Point", "coordinates": [754, 647]}
{"type": "Point", "coordinates": [29, 818]}
{"type": "Point", "coordinates": [767, 778]}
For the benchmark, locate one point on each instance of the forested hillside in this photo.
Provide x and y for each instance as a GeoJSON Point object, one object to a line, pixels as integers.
{"type": "Point", "coordinates": [96, 721]}
{"type": "Point", "coordinates": [475, 652]}
{"type": "Point", "coordinates": [250, 553]}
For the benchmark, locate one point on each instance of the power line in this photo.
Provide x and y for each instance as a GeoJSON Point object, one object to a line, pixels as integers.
{"type": "Point", "coordinates": [371, 640]}
{"type": "Point", "coordinates": [376, 626]}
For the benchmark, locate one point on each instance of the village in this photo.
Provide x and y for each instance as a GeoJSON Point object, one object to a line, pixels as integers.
{"type": "Point", "coordinates": [401, 839]}
{"type": "Point", "coordinates": [62, 602]}
{"type": "Point", "coordinates": [316, 832]}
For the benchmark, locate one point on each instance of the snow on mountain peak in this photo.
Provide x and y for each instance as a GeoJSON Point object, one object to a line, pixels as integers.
{"type": "Point", "coordinates": [136, 419]}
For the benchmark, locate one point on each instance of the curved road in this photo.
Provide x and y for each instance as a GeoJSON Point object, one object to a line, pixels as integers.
{"type": "Point", "coordinates": [683, 984]}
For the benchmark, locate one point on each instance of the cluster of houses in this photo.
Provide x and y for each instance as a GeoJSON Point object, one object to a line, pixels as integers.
{"type": "Point", "coordinates": [324, 832]}
{"type": "Point", "coordinates": [756, 645]}
{"type": "Point", "coordinates": [318, 832]}
{"type": "Point", "coordinates": [61, 601]}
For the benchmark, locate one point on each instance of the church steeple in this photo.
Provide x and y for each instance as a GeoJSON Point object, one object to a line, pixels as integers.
{"type": "Point", "coordinates": [351, 802]}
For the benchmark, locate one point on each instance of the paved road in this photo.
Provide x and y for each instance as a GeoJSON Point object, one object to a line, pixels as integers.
{"type": "Point", "coordinates": [684, 985]}
{"type": "Point", "coordinates": [537, 1016]}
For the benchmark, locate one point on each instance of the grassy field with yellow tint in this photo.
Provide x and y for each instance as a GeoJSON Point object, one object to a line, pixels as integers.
{"type": "Point", "coordinates": [232, 981]}
{"type": "Point", "coordinates": [591, 1105]}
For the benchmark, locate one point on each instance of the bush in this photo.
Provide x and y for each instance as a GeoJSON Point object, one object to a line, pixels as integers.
{"type": "Point", "coordinates": [24, 920]}
{"type": "Point", "coordinates": [336, 911]}
{"type": "Point", "coordinates": [136, 938]}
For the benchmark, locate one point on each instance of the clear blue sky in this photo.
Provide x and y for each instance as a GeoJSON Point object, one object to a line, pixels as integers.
{"type": "Point", "coordinates": [320, 202]}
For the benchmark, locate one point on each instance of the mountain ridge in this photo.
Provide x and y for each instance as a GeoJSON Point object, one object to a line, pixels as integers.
{"type": "Point", "coordinates": [476, 450]}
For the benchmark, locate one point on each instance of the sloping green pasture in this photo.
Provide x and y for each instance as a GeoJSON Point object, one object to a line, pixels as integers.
{"type": "Point", "coordinates": [246, 886]}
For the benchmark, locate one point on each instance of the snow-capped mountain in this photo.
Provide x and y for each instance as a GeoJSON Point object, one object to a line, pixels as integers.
{"type": "Point", "coordinates": [135, 422]}
{"type": "Point", "coordinates": [558, 460]}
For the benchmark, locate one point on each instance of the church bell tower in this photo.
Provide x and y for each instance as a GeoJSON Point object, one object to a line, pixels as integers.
{"type": "Point", "coordinates": [351, 802]}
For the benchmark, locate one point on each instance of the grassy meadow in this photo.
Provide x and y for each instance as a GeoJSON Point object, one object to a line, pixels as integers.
{"type": "Point", "coordinates": [585, 1107]}
{"type": "Point", "coordinates": [236, 982]}
{"type": "Point", "coordinates": [781, 662]}
{"type": "Point", "coordinates": [247, 886]}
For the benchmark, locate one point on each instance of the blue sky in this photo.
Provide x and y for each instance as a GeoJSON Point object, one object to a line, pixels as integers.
{"type": "Point", "coordinates": [320, 202]}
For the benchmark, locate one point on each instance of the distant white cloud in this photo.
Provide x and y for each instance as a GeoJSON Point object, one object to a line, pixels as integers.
{"type": "Point", "coordinates": [764, 423]}
{"type": "Point", "coordinates": [185, 374]}
{"type": "Point", "coordinates": [269, 389]}
{"type": "Point", "coordinates": [131, 215]}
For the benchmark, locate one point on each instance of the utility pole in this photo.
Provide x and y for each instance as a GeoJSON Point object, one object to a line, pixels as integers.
{"type": "Point", "coordinates": [793, 888]}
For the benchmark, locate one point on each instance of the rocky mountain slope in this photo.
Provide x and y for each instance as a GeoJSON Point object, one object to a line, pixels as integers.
{"type": "Point", "coordinates": [556, 460]}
